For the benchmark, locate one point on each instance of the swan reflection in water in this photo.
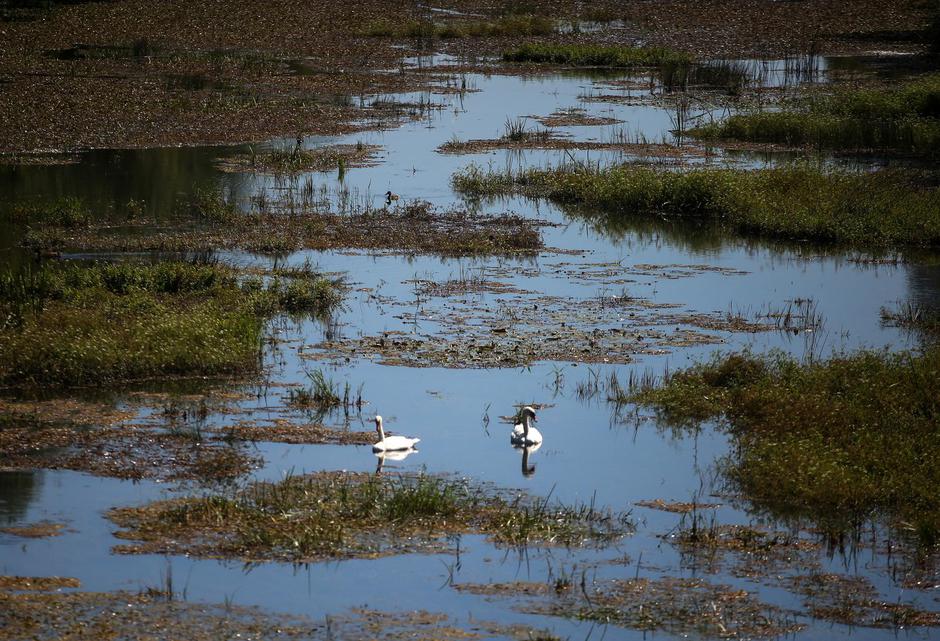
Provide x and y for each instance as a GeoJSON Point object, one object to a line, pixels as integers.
{"type": "Point", "coordinates": [398, 455]}
{"type": "Point", "coordinates": [527, 470]}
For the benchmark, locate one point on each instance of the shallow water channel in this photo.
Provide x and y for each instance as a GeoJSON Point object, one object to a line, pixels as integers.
{"type": "Point", "coordinates": [593, 451]}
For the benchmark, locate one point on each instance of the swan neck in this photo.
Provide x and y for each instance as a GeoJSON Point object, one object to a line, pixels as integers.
{"type": "Point", "coordinates": [381, 433]}
{"type": "Point", "coordinates": [527, 424]}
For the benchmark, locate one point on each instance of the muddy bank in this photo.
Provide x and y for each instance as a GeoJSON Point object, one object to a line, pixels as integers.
{"type": "Point", "coordinates": [138, 73]}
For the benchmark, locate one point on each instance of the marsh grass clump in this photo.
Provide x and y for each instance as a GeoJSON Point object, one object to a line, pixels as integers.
{"type": "Point", "coordinates": [67, 212]}
{"type": "Point", "coordinates": [294, 159]}
{"type": "Point", "coordinates": [339, 515]}
{"type": "Point", "coordinates": [906, 119]}
{"type": "Point", "coordinates": [323, 396]}
{"type": "Point", "coordinates": [287, 224]}
{"type": "Point", "coordinates": [596, 55]}
{"type": "Point", "coordinates": [110, 322]}
{"type": "Point", "coordinates": [854, 601]}
{"type": "Point", "coordinates": [686, 607]}
{"type": "Point", "coordinates": [838, 441]}
{"type": "Point", "coordinates": [213, 206]}
{"type": "Point", "coordinates": [885, 208]}
{"type": "Point", "coordinates": [912, 316]}
{"type": "Point", "coordinates": [55, 614]}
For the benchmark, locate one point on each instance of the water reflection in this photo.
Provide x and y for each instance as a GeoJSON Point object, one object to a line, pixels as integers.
{"type": "Point", "coordinates": [17, 490]}
{"type": "Point", "coordinates": [394, 456]}
{"type": "Point", "coordinates": [528, 470]}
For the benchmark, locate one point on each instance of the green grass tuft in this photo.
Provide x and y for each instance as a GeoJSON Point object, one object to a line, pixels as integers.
{"type": "Point", "coordinates": [596, 55]}
{"type": "Point", "coordinates": [333, 515]}
{"type": "Point", "coordinates": [66, 212]}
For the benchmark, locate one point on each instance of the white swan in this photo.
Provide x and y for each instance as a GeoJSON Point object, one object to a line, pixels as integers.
{"type": "Point", "coordinates": [391, 443]}
{"type": "Point", "coordinates": [523, 433]}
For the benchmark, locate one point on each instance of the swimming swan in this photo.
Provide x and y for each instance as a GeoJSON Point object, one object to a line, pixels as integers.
{"type": "Point", "coordinates": [523, 433]}
{"type": "Point", "coordinates": [391, 443]}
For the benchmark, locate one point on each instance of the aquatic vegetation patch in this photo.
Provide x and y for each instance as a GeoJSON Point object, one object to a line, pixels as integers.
{"type": "Point", "coordinates": [125, 616]}
{"type": "Point", "coordinates": [914, 317]}
{"type": "Point", "coordinates": [905, 119]}
{"type": "Point", "coordinates": [73, 325]}
{"type": "Point", "coordinates": [38, 530]}
{"type": "Point", "coordinates": [678, 507]}
{"type": "Point", "coordinates": [157, 613]}
{"type": "Point", "coordinates": [288, 225]}
{"type": "Point", "coordinates": [124, 451]}
{"type": "Point", "coordinates": [296, 159]}
{"type": "Point", "coordinates": [570, 330]}
{"type": "Point", "coordinates": [547, 139]}
{"type": "Point", "coordinates": [854, 601]}
{"type": "Point", "coordinates": [744, 551]}
{"type": "Point", "coordinates": [293, 432]}
{"type": "Point", "coordinates": [68, 212]}
{"type": "Point", "coordinates": [37, 583]}
{"type": "Point", "coordinates": [342, 515]}
{"type": "Point", "coordinates": [575, 117]}
{"type": "Point", "coordinates": [324, 397]}
{"type": "Point", "coordinates": [605, 329]}
{"type": "Point", "coordinates": [838, 441]}
{"type": "Point", "coordinates": [507, 25]}
{"type": "Point", "coordinates": [584, 55]}
{"type": "Point", "coordinates": [885, 208]}
{"type": "Point", "coordinates": [672, 605]}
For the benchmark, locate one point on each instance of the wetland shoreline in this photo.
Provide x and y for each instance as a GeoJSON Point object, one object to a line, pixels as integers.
{"type": "Point", "coordinates": [199, 428]}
